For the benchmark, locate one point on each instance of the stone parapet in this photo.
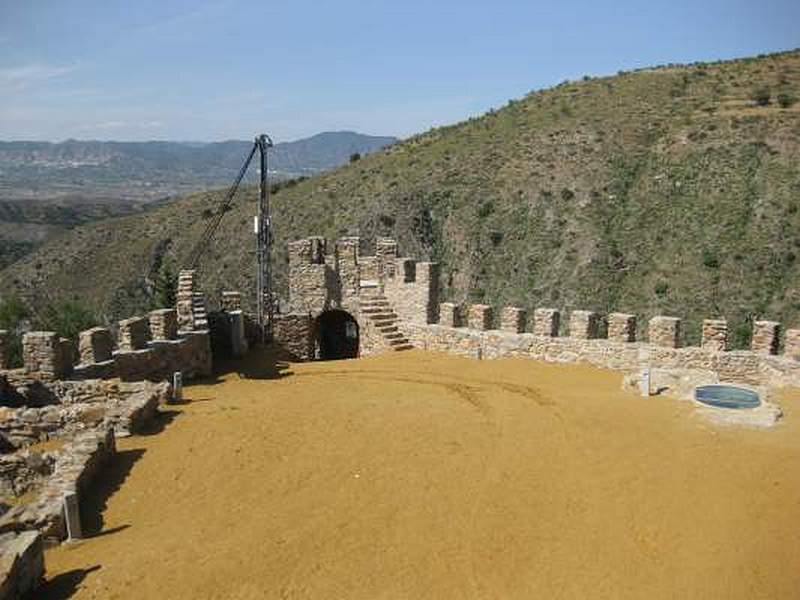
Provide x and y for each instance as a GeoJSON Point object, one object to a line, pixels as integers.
{"type": "Point", "coordinates": [584, 324]}
{"type": "Point", "coordinates": [95, 345]}
{"type": "Point", "coordinates": [766, 337]}
{"type": "Point", "coordinates": [665, 331]}
{"type": "Point", "coordinates": [546, 322]}
{"type": "Point", "coordinates": [480, 317]}
{"type": "Point", "coordinates": [231, 301]}
{"type": "Point", "coordinates": [622, 327]}
{"type": "Point", "coordinates": [715, 335]}
{"type": "Point", "coordinates": [741, 367]}
{"type": "Point", "coordinates": [134, 333]}
{"type": "Point", "coordinates": [43, 353]}
{"type": "Point", "coordinates": [164, 324]}
{"type": "Point", "coordinates": [449, 315]}
{"type": "Point", "coordinates": [513, 319]}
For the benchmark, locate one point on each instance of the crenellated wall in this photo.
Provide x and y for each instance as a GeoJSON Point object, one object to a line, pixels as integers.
{"type": "Point", "coordinates": [760, 366]}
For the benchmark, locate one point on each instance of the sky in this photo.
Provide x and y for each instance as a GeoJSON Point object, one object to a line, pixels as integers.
{"type": "Point", "coordinates": [211, 70]}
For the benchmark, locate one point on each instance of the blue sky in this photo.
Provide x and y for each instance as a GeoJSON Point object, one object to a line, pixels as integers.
{"type": "Point", "coordinates": [221, 69]}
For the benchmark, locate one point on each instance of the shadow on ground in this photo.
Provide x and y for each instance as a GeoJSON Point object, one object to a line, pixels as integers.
{"type": "Point", "coordinates": [62, 586]}
{"type": "Point", "coordinates": [262, 362]}
{"type": "Point", "coordinates": [96, 498]}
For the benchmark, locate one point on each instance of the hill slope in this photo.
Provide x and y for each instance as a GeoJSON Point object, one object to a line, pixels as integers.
{"type": "Point", "coordinates": [665, 190]}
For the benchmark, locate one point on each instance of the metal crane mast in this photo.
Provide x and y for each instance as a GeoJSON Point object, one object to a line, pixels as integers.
{"type": "Point", "coordinates": [264, 296]}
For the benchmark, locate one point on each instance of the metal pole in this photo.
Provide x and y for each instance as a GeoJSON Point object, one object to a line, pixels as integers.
{"type": "Point", "coordinates": [262, 200]}
{"type": "Point", "coordinates": [264, 241]}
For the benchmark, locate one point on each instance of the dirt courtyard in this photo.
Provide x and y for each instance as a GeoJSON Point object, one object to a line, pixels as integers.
{"type": "Point", "coordinates": [416, 475]}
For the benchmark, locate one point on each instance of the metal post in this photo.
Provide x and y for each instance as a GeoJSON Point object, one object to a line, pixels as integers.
{"type": "Point", "coordinates": [72, 516]}
{"type": "Point", "coordinates": [177, 387]}
{"type": "Point", "coordinates": [263, 243]}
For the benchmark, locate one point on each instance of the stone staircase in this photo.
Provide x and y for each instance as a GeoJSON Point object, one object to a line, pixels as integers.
{"type": "Point", "coordinates": [377, 309]}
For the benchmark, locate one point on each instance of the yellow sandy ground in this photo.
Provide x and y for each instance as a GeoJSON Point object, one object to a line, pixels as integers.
{"type": "Point", "coordinates": [417, 475]}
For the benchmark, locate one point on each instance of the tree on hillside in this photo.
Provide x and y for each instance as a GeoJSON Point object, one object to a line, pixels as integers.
{"type": "Point", "coordinates": [165, 287]}
{"type": "Point", "coordinates": [67, 318]}
{"type": "Point", "coordinates": [14, 317]}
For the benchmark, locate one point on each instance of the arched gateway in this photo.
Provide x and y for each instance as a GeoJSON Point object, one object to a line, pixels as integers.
{"type": "Point", "coordinates": [336, 334]}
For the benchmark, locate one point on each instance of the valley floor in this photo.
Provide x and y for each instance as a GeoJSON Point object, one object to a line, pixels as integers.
{"type": "Point", "coordinates": [415, 475]}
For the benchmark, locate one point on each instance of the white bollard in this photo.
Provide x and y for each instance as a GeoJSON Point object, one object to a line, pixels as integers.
{"type": "Point", "coordinates": [644, 383]}
{"type": "Point", "coordinates": [177, 387]}
{"type": "Point", "coordinates": [72, 516]}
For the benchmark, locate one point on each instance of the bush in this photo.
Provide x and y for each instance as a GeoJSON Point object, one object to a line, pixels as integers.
{"type": "Point", "coordinates": [68, 318]}
{"type": "Point", "coordinates": [355, 156]}
{"type": "Point", "coordinates": [785, 100]}
{"type": "Point", "coordinates": [13, 318]}
{"type": "Point", "coordinates": [761, 96]}
{"type": "Point", "coordinates": [661, 289]}
{"type": "Point", "coordinates": [710, 259]}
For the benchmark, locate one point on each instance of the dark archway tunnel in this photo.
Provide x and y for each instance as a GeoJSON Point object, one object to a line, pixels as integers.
{"type": "Point", "coordinates": [337, 335]}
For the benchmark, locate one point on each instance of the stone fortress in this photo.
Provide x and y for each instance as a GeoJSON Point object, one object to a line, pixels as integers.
{"type": "Point", "coordinates": [394, 303]}
{"type": "Point", "coordinates": [62, 411]}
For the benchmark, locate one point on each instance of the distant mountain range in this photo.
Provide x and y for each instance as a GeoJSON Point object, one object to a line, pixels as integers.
{"type": "Point", "coordinates": [146, 170]}
{"type": "Point", "coordinates": [46, 188]}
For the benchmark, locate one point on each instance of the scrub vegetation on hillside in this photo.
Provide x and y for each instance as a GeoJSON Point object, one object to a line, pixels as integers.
{"type": "Point", "coordinates": [672, 190]}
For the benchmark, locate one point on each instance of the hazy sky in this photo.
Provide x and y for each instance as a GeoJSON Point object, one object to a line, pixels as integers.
{"type": "Point", "coordinates": [221, 69]}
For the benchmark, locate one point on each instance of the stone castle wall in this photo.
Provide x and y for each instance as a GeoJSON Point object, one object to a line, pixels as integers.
{"type": "Point", "coordinates": [760, 366]}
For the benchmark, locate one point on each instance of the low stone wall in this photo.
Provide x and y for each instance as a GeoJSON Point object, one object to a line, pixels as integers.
{"type": "Point", "coordinates": [21, 564]}
{"type": "Point", "coordinates": [77, 464]}
{"type": "Point", "coordinates": [294, 334]}
{"type": "Point", "coordinates": [746, 367]}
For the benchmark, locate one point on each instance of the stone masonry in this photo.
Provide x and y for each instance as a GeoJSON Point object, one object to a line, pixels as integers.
{"type": "Point", "coordinates": [95, 345]}
{"type": "Point", "coordinates": [583, 324]}
{"type": "Point", "coordinates": [665, 331]}
{"type": "Point", "coordinates": [134, 333]}
{"type": "Point", "coordinates": [164, 324]}
{"type": "Point", "coordinates": [622, 327]}
{"type": "Point", "coordinates": [231, 301]}
{"type": "Point", "coordinates": [546, 322]}
{"type": "Point", "coordinates": [449, 314]}
{"type": "Point", "coordinates": [715, 335]}
{"type": "Point", "coordinates": [766, 337]}
{"type": "Point", "coordinates": [480, 317]}
{"type": "Point", "coordinates": [42, 353]}
{"type": "Point", "coordinates": [513, 319]}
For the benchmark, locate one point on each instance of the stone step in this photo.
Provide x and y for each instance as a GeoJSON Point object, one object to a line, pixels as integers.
{"type": "Point", "coordinates": [403, 347]}
{"type": "Point", "coordinates": [398, 342]}
{"type": "Point", "coordinates": [394, 337]}
{"type": "Point", "coordinates": [386, 318]}
{"type": "Point", "coordinates": [387, 328]}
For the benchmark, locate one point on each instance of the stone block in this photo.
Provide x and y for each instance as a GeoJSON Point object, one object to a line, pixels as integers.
{"type": "Point", "coordinates": [21, 564]}
{"type": "Point", "coordinates": [513, 319]}
{"type": "Point", "coordinates": [134, 333]}
{"type": "Point", "coordinates": [42, 353]}
{"type": "Point", "coordinates": [792, 346]}
{"type": "Point", "coordinates": [583, 324]}
{"type": "Point", "coordinates": [665, 331]}
{"type": "Point", "coordinates": [715, 335]}
{"type": "Point", "coordinates": [622, 327]}
{"type": "Point", "coordinates": [164, 324]}
{"type": "Point", "coordinates": [766, 337]}
{"type": "Point", "coordinates": [95, 345]}
{"type": "Point", "coordinates": [231, 301]}
{"type": "Point", "coordinates": [480, 317]}
{"type": "Point", "coordinates": [546, 322]}
{"type": "Point", "coordinates": [238, 338]}
{"type": "Point", "coordinates": [449, 315]}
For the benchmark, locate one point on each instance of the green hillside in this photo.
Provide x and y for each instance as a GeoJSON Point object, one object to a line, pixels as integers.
{"type": "Point", "coordinates": [672, 190]}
